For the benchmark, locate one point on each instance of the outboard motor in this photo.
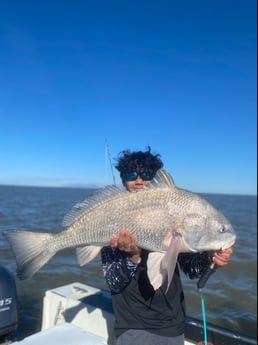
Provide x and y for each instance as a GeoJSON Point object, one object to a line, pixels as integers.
{"type": "Point", "coordinates": [8, 303]}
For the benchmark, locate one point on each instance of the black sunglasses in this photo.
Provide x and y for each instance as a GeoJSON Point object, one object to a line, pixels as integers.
{"type": "Point", "coordinates": [132, 176]}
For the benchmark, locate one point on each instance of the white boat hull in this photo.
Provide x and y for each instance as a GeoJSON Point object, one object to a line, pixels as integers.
{"type": "Point", "coordinates": [82, 305]}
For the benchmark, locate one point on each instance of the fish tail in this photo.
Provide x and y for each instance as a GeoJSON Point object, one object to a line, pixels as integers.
{"type": "Point", "coordinates": [31, 250]}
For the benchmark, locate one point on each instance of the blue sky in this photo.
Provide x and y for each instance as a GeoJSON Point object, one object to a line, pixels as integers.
{"type": "Point", "coordinates": [179, 76]}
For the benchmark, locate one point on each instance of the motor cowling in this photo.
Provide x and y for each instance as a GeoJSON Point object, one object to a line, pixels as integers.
{"type": "Point", "coordinates": [8, 303]}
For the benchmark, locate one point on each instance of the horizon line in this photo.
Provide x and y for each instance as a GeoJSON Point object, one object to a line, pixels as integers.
{"type": "Point", "coordinates": [98, 186]}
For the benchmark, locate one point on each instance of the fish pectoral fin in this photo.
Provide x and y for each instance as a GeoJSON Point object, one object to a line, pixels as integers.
{"type": "Point", "coordinates": [161, 266]}
{"type": "Point", "coordinates": [86, 254]}
{"type": "Point", "coordinates": [170, 258]}
{"type": "Point", "coordinates": [155, 274]}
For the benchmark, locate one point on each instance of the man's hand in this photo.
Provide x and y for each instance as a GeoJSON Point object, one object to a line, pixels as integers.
{"type": "Point", "coordinates": [127, 243]}
{"type": "Point", "coordinates": [221, 257]}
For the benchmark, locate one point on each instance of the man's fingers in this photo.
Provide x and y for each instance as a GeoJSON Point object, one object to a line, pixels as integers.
{"type": "Point", "coordinates": [126, 241]}
{"type": "Point", "coordinates": [221, 258]}
{"type": "Point", "coordinates": [113, 241]}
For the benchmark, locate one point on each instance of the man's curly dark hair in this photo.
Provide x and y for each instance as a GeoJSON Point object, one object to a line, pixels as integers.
{"type": "Point", "coordinates": [129, 161]}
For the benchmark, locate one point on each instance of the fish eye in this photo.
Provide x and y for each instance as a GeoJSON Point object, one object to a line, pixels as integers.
{"type": "Point", "coordinates": [222, 228]}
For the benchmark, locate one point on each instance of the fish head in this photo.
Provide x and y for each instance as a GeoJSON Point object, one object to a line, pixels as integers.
{"type": "Point", "coordinates": [207, 231]}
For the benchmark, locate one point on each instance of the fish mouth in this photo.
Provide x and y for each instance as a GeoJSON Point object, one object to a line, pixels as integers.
{"type": "Point", "coordinates": [227, 245]}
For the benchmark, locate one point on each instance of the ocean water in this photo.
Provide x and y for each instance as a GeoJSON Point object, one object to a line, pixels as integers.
{"type": "Point", "coordinates": [230, 294]}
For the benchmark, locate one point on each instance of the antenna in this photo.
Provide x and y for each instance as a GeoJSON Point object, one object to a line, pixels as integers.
{"type": "Point", "coordinates": [110, 163]}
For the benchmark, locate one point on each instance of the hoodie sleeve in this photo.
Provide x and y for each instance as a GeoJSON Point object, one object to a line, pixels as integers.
{"type": "Point", "coordinates": [118, 269]}
{"type": "Point", "coordinates": [193, 265]}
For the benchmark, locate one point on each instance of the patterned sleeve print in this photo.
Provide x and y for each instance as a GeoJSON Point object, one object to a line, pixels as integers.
{"type": "Point", "coordinates": [193, 265]}
{"type": "Point", "coordinates": [118, 269]}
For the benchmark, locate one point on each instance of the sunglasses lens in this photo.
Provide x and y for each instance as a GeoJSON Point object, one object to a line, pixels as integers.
{"type": "Point", "coordinates": [146, 176]}
{"type": "Point", "coordinates": [131, 176]}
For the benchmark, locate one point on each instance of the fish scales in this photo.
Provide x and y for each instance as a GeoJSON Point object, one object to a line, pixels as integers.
{"type": "Point", "coordinates": [95, 226]}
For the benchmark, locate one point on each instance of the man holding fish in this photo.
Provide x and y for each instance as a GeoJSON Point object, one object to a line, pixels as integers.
{"type": "Point", "coordinates": [145, 314]}
{"type": "Point", "coordinates": [148, 231]}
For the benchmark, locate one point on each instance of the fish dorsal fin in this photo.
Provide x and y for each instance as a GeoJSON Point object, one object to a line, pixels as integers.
{"type": "Point", "coordinates": [162, 179]}
{"type": "Point", "coordinates": [97, 197]}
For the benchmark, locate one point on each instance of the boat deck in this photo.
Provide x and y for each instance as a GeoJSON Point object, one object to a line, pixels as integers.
{"type": "Point", "coordinates": [66, 334]}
